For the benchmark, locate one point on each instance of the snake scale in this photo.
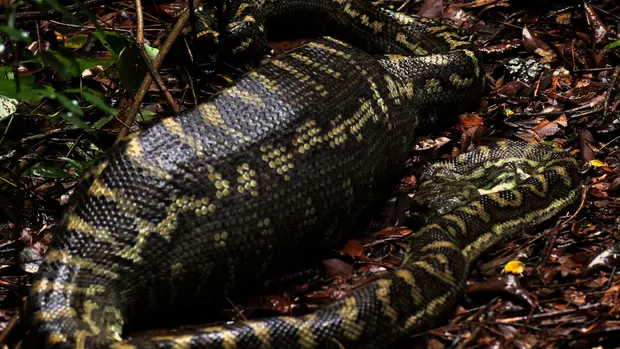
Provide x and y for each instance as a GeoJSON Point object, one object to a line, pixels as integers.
{"type": "Point", "coordinates": [274, 169]}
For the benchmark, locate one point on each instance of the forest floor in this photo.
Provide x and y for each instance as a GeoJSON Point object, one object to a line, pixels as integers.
{"type": "Point", "coordinates": [552, 76]}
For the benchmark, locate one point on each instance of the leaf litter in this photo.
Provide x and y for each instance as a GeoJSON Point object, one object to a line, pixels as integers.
{"type": "Point", "coordinates": [552, 69]}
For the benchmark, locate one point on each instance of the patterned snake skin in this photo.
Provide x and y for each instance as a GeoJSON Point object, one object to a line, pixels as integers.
{"type": "Point", "coordinates": [273, 170]}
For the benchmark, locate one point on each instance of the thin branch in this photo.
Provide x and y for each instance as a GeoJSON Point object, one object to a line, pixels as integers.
{"type": "Point", "coordinates": [165, 48]}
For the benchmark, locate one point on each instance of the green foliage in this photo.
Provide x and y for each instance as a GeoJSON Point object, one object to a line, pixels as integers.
{"type": "Point", "coordinates": [79, 167]}
{"type": "Point", "coordinates": [76, 41]}
{"type": "Point", "coordinates": [63, 63]}
{"type": "Point", "coordinates": [130, 66]}
{"type": "Point", "coordinates": [94, 97]}
{"type": "Point", "coordinates": [15, 34]}
{"type": "Point", "coordinates": [47, 172]}
{"type": "Point", "coordinates": [613, 44]}
{"type": "Point", "coordinates": [146, 115]}
{"type": "Point", "coordinates": [68, 64]}
{"type": "Point", "coordinates": [29, 89]}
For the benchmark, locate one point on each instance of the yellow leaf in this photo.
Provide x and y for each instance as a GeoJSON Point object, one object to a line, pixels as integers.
{"type": "Point", "coordinates": [60, 37]}
{"type": "Point", "coordinates": [227, 78]}
{"type": "Point", "coordinates": [597, 163]}
{"type": "Point", "coordinates": [514, 267]}
{"type": "Point", "coordinates": [76, 42]}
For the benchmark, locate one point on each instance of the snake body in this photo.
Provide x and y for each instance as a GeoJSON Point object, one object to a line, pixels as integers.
{"type": "Point", "coordinates": [274, 169]}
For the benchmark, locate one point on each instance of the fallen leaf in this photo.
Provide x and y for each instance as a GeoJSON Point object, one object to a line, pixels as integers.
{"type": "Point", "coordinates": [431, 9]}
{"type": "Point", "coordinates": [598, 28]}
{"type": "Point", "coordinates": [335, 267]}
{"type": "Point", "coordinates": [536, 45]}
{"type": "Point", "coordinates": [353, 248]}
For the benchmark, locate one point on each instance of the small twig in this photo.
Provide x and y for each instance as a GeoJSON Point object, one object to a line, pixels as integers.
{"type": "Point", "coordinates": [584, 191]}
{"type": "Point", "coordinates": [607, 13]}
{"type": "Point", "coordinates": [6, 129]}
{"type": "Point", "coordinates": [403, 5]}
{"type": "Point", "coordinates": [548, 315]}
{"type": "Point", "coordinates": [39, 38]}
{"type": "Point", "coordinates": [236, 308]}
{"type": "Point", "coordinates": [139, 24]}
{"type": "Point", "coordinates": [10, 327]}
{"type": "Point", "coordinates": [191, 87]}
{"type": "Point", "coordinates": [120, 29]}
{"type": "Point", "coordinates": [158, 81]}
{"type": "Point", "coordinates": [7, 182]}
{"type": "Point", "coordinates": [480, 316]}
{"type": "Point", "coordinates": [135, 107]}
{"type": "Point", "coordinates": [48, 134]}
{"type": "Point", "coordinates": [592, 70]}
{"type": "Point", "coordinates": [21, 166]}
{"type": "Point", "coordinates": [545, 114]}
{"type": "Point", "coordinates": [589, 112]}
{"type": "Point", "coordinates": [546, 254]}
{"type": "Point", "coordinates": [610, 282]}
{"type": "Point", "coordinates": [608, 143]}
{"type": "Point", "coordinates": [606, 120]}
{"type": "Point", "coordinates": [558, 113]}
{"type": "Point", "coordinates": [75, 143]}
{"type": "Point", "coordinates": [514, 324]}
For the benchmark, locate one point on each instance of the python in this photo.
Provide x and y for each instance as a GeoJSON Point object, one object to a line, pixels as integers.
{"type": "Point", "coordinates": [276, 168]}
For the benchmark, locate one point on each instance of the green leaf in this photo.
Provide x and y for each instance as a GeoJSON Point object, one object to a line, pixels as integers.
{"type": "Point", "coordinates": [98, 102]}
{"type": "Point", "coordinates": [93, 97]}
{"type": "Point", "coordinates": [228, 79]}
{"type": "Point", "coordinates": [64, 63]}
{"type": "Point", "coordinates": [102, 37]}
{"type": "Point", "coordinates": [130, 65]}
{"type": "Point", "coordinates": [151, 52]}
{"type": "Point", "coordinates": [74, 120]}
{"type": "Point", "coordinates": [131, 68]}
{"type": "Point", "coordinates": [16, 34]}
{"type": "Point", "coordinates": [78, 166]}
{"type": "Point", "coordinates": [29, 90]}
{"type": "Point", "coordinates": [7, 82]}
{"type": "Point", "coordinates": [113, 42]}
{"type": "Point", "coordinates": [72, 104]}
{"type": "Point", "coordinates": [76, 41]}
{"type": "Point", "coordinates": [89, 62]}
{"type": "Point", "coordinates": [47, 172]}
{"type": "Point", "coordinates": [35, 94]}
{"type": "Point", "coordinates": [6, 73]}
{"type": "Point", "coordinates": [146, 115]}
{"type": "Point", "coordinates": [102, 122]}
{"type": "Point", "coordinates": [613, 44]}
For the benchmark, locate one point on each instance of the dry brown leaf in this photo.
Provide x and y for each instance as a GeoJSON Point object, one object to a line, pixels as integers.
{"type": "Point", "coordinates": [335, 267]}
{"type": "Point", "coordinates": [431, 9]}
{"type": "Point", "coordinates": [353, 248]}
{"type": "Point", "coordinates": [391, 232]}
{"type": "Point", "coordinates": [535, 45]}
{"type": "Point", "coordinates": [550, 128]}
{"type": "Point", "coordinates": [512, 88]}
{"type": "Point", "coordinates": [597, 27]}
